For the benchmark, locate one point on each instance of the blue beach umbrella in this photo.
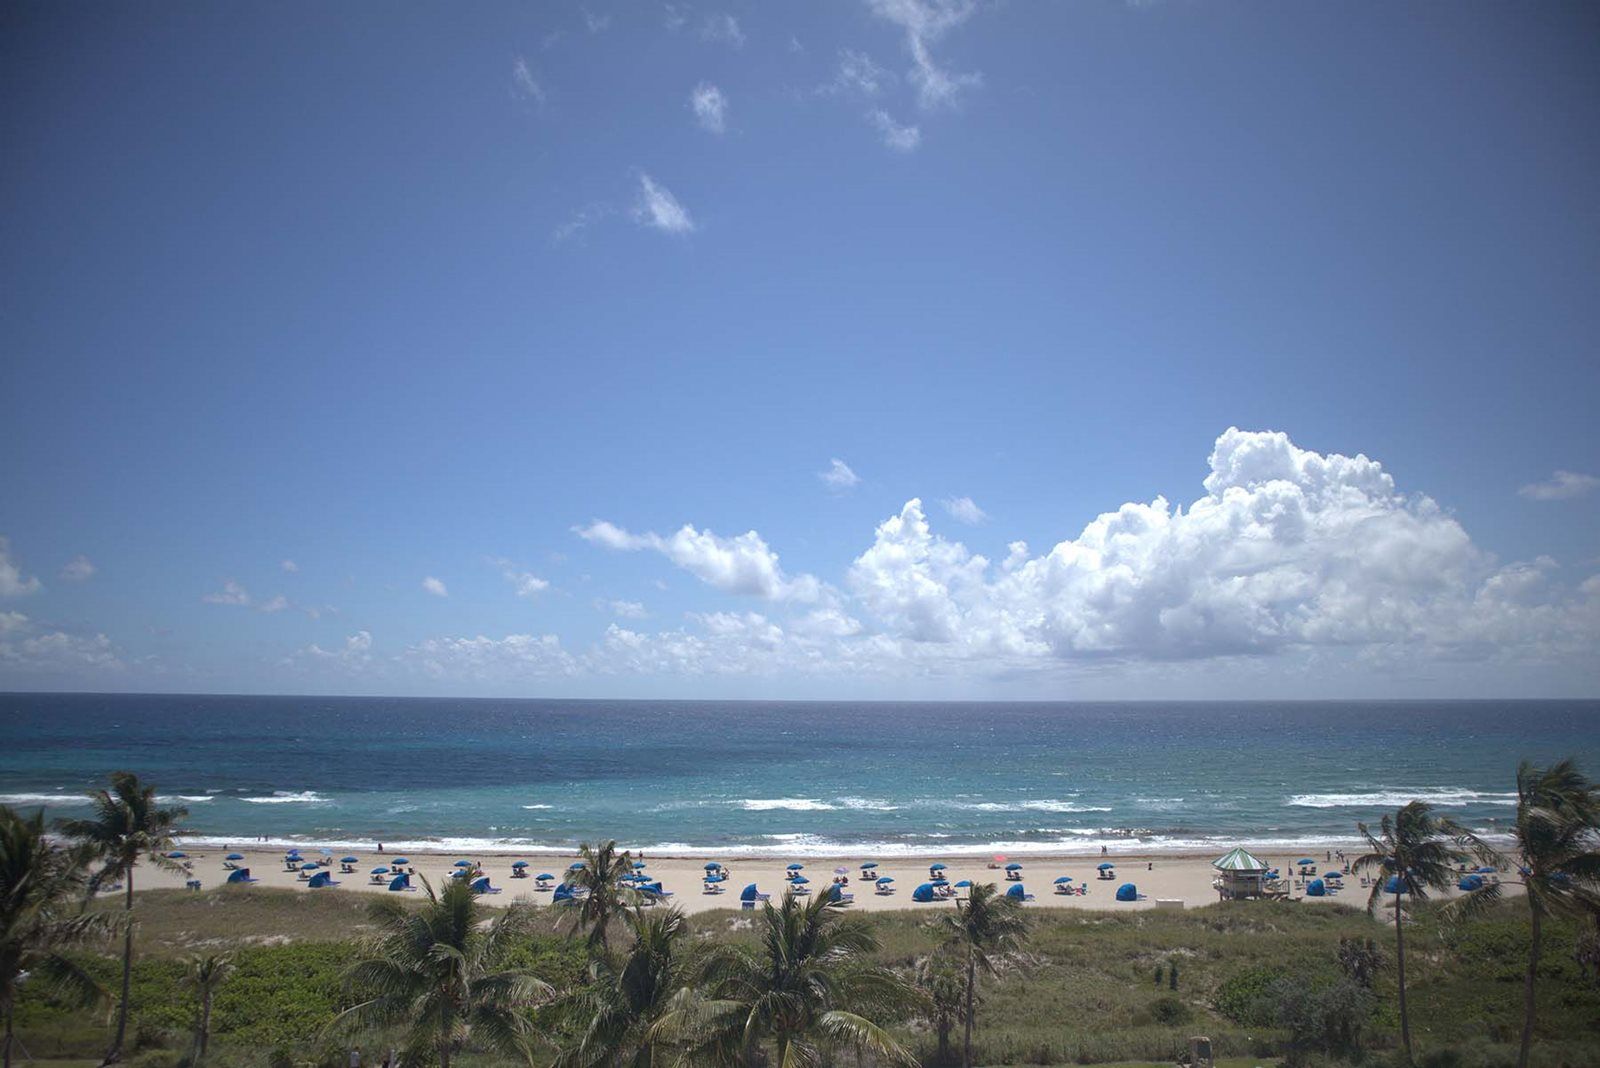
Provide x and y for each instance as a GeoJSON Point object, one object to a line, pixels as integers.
{"type": "Point", "coordinates": [234, 856]}
{"type": "Point", "coordinates": [1470, 882]}
{"type": "Point", "coordinates": [712, 866]}
{"type": "Point", "coordinates": [349, 860]}
{"type": "Point", "coordinates": [381, 869]}
{"type": "Point", "coordinates": [520, 864]}
{"type": "Point", "coordinates": [796, 867]}
{"type": "Point", "coordinates": [1485, 870]}
{"type": "Point", "coordinates": [638, 864]}
{"type": "Point", "coordinates": [1013, 866]}
{"type": "Point", "coordinates": [544, 875]}
{"type": "Point", "coordinates": [1107, 866]}
{"type": "Point", "coordinates": [175, 855]}
{"type": "Point", "coordinates": [402, 860]}
{"type": "Point", "coordinates": [885, 880]}
{"type": "Point", "coordinates": [1062, 880]}
{"type": "Point", "coordinates": [1304, 861]}
{"type": "Point", "coordinates": [1394, 886]}
{"type": "Point", "coordinates": [936, 867]}
{"type": "Point", "coordinates": [462, 864]}
{"type": "Point", "coordinates": [310, 867]}
{"type": "Point", "coordinates": [963, 882]}
{"type": "Point", "coordinates": [800, 879]}
{"type": "Point", "coordinates": [869, 865]}
{"type": "Point", "coordinates": [575, 867]}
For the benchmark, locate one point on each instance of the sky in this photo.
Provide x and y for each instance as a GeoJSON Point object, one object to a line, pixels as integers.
{"type": "Point", "coordinates": [860, 349]}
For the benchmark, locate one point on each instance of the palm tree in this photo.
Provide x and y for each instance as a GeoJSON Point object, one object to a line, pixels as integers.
{"type": "Point", "coordinates": [940, 981]}
{"type": "Point", "coordinates": [1414, 852]}
{"type": "Point", "coordinates": [601, 875]}
{"type": "Point", "coordinates": [444, 974]}
{"type": "Point", "coordinates": [808, 988]}
{"type": "Point", "coordinates": [624, 1000]}
{"type": "Point", "coordinates": [1558, 812]}
{"type": "Point", "coordinates": [41, 885]}
{"type": "Point", "coordinates": [984, 924]}
{"type": "Point", "coordinates": [128, 825]}
{"type": "Point", "coordinates": [205, 975]}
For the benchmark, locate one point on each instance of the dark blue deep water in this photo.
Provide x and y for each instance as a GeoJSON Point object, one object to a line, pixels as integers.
{"type": "Point", "coordinates": [787, 778]}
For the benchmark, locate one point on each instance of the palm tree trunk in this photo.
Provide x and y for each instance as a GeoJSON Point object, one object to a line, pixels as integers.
{"type": "Point", "coordinates": [205, 1024]}
{"type": "Point", "coordinates": [114, 1054]}
{"type": "Point", "coordinates": [444, 1054]}
{"type": "Point", "coordinates": [1400, 975]}
{"type": "Point", "coordinates": [972, 983]}
{"type": "Point", "coordinates": [9, 1035]}
{"type": "Point", "coordinates": [943, 1055]}
{"type": "Point", "coordinates": [1537, 936]}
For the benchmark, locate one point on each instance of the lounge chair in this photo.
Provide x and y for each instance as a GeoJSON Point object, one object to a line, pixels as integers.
{"type": "Point", "coordinates": [192, 884]}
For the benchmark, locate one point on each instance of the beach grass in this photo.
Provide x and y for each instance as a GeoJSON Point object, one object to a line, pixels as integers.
{"type": "Point", "coordinates": [1082, 991]}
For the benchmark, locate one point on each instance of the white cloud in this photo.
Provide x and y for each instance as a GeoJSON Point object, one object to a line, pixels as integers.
{"type": "Point", "coordinates": [1561, 486]}
{"type": "Point", "coordinates": [25, 649]}
{"type": "Point", "coordinates": [525, 583]}
{"type": "Point", "coordinates": [964, 510]}
{"type": "Point", "coordinates": [623, 609]}
{"type": "Point", "coordinates": [435, 587]}
{"type": "Point", "coordinates": [722, 29]}
{"type": "Point", "coordinates": [12, 584]}
{"type": "Point", "coordinates": [743, 565]}
{"type": "Point", "coordinates": [580, 222]}
{"type": "Point", "coordinates": [231, 593]}
{"type": "Point", "coordinates": [79, 569]}
{"type": "Point", "coordinates": [839, 476]}
{"type": "Point", "coordinates": [11, 622]}
{"type": "Point", "coordinates": [355, 655]}
{"type": "Point", "coordinates": [657, 208]}
{"type": "Point", "coordinates": [524, 84]}
{"type": "Point", "coordinates": [290, 567]}
{"type": "Point", "coordinates": [925, 21]}
{"type": "Point", "coordinates": [274, 604]}
{"type": "Point", "coordinates": [857, 75]}
{"type": "Point", "coordinates": [895, 136]}
{"type": "Point", "coordinates": [596, 23]}
{"type": "Point", "coordinates": [710, 107]}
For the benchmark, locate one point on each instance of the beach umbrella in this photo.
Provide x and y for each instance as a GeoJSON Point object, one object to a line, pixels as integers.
{"type": "Point", "coordinates": [1394, 886]}
{"type": "Point", "coordinates": [1062, 880]}
{"type": "Point", "coordinates": [869, 865]}
{"type": "Point", "coordinates": [1485, 870]}
{"type": "Point", "coordinates": [462, 864]}
{"type": "Point", "coordinates": [638, 864]}
{"type": "Point", "coordinates": [713, 866]}
{"type": "Point", "coordinates": [1470, 882]}
{"type": "Point", "coordinates": [295, 853]}
{"type": "Point", "coordinates": [999, 858]}
{"type": "Point", "coordinates": [381, 869]}
{"type": "Point", "coordinates": [800, 879]}
{"type": "Point", "coordinates": [575, 867]}
{"type": "Point", "coordinates": [1013, 866]}
{"type": "Point", "coordinates": [520, 864]}
{"type": "Point", "coordinates": [1106, 865]}
{"type": "Point", "coordinates": [936, 867]}
{"type": "Point", "coordinates": [792, 867]}
{"type": "Point", "coordinates": [349, 860]}
{"type": "Point", "coordinates": [402, 860]}
{"type": "Point", "coordinates": [885, 880]}
{"type": "Point", "coordinates": [544, 875]}
{"type": "Point", "coordinates": [310, 867]}
{"type": "Point", "coordinates": [234, 856]}
{"type": "Point", "coordinates": [175, 855]}
{"type": "Point", "coordinates": [963, 882]}
{"type": "Point", "coordinates": [1303, 861]}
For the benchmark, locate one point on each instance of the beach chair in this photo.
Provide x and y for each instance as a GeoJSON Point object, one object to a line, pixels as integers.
{"type": "Point", "coordinates": [229, 865]}
{"type": "Point", "coordinates": [192, 884]}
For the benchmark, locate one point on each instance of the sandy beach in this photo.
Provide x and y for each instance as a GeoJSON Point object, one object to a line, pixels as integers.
{"type": "Point", "coordinates": [1176, 881]}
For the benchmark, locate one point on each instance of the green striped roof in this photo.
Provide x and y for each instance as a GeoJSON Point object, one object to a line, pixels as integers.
{"type": "Point", "coordinates": [1239, 859]}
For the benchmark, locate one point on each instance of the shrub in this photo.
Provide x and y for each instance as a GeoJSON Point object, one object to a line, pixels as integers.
{"type": "Point", "coordinates": [1173, 1012]}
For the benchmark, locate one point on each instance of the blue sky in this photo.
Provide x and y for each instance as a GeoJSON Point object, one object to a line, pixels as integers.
{"type": "Point", "coordinates": [396, 295]}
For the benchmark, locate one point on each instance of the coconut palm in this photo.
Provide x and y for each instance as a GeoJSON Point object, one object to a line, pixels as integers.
{"type": "Point", "coordinates": [625, 998]}
{"type": "Point", "coordinates": [807, 987]}
{"type": "Point", "coordinates": [601, 875]}
{"type": "Point", "coordinates": [984, 925]}
{"type": "Point", "coordinates": [1414, 852]}
{"type": "Point", "coordinates": [443, 973]}
{"type": "Point", "coordinates": [1558, 813]}
{"type": "Point", "coordinates": [939, 979]}
{"type": "Point", "coordinates": [204, 975]}
{"type": "Point", "coordinates": [128, 825]}
{"type": "Point", "coordinates": [41, 885]}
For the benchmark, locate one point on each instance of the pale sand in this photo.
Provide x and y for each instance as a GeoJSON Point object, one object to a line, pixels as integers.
{"type": "Point", "coordinates": [1173, 878]}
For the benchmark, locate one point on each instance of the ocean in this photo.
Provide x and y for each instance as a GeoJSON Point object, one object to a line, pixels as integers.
{"type": "Point", "coordinates": [791, 779]}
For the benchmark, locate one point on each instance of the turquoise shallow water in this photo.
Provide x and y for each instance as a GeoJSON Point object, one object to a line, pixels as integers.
{"type": "Point", "coordinates": [780, 778]}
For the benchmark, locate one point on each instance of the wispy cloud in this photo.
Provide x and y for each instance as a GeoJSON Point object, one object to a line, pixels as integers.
{"type": "Point", "coordinates": [838, 475]}
{"type": "Point", "coordinates": [623, 609]}
{"type": "Point", "coordinates": [525, 583]}
{"type": "Point", "coordinates": [895, 136]}
{"type": "Point", "coordinates": [710, 107]}
{"type": "Point", "coordinates": [575, 227]}
{"type": "Point", "coordinates": [435, 587]}
{"type": "Point", "coordinates": [79, 569]}
{"type": "Point", "coordinates": [658, 209]}
{"type": "Point", "coordinates": [857, 75]}
{"type": "Point", "coordinates": [12, 583]}
{"type": "Point", "coordinates": [596, 22]}
{"type": "Point", "coordinates": [722, 29]}
{"type": "Point", "coordinates": [965, 510]}
{"type": "Point", "coordinates": [925, 21]}
{"type": "Point", "coordinates": [523, 83]}
{"type": "Point", "coordinates": [1561, 486]}
{"type": "Point", "coordinates": [290, 566]}
{"type": "Point", "coordinates": [231, 593]}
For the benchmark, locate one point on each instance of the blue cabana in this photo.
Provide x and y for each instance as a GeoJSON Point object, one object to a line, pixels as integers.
{"type": "Point", "coordinates": [923, 893]}
{"type": "Point", "coordinates": [320, 880]}
{"type": "Point", "coordinates": [1470, 883]}
{"type": "Point", "coordinates": [1316, 888]}
{"type": "Point", "coordinates": [1016, 892]}
{"type": "Point", "coordinates": [480, 885]}
{"type": "Point", "coordinates": [175, 855]}
{"type": "Point", "coordinates": [241, 875]}
{"type": "Point", "coordinates": [749, 893]}
{"type": "Point", "coordinates": [1485, 869]}
{"type": "Point", "coordinates": [1127, 892]}
{"type": "Point", "coordinates": [836, 893]}
{"type": "Point", "coordinates": [400, 882]}
{"type": "Point", "coordinates": [563, 893]}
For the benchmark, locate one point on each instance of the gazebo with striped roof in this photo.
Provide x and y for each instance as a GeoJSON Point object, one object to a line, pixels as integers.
{"type": "Point", "coordinates": [1240, 874]}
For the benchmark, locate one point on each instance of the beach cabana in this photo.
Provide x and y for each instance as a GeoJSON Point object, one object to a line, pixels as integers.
{"type": "Point", "coordinates": [1470, 883]}
{"type": "Point", "coordinates": [480, 885]}
{"type": "Point", "coordinates": [1316, 888]}
{"type": "Point", "coordinates": [1127, 892]}
{"type": "Point", "coordinates": [400, 882]}
{"type": "Point", "coordinates": [923, 893]}
{"type": "Point", "coordinates": [1240, 874]}
{"type": "Point", "coordinates": [320, 880]}
{"type": "Point", "coordinates": [1017, 893]}
{"type": "Point", "coordinates": [241, 875]}
{"type": "Point", "coordinates": [838, 896]}
{"type": "Point", "coordinates": [750, 895]}
{"type": "Point", "coordinates": [563, 895]}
